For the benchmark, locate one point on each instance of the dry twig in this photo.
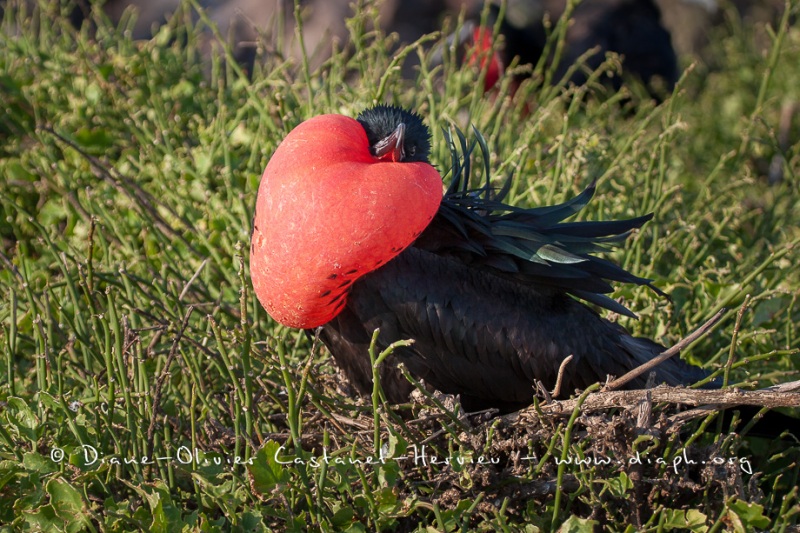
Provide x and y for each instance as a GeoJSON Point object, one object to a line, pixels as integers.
{"type": "Point", "coordinates": [784, 395]}
{"type": "Point", "coordinates": [162, 378]}
{"type": "Point", "coordinates": [683, 343]}
{"type": "Point", "coordinates": [557, 390]}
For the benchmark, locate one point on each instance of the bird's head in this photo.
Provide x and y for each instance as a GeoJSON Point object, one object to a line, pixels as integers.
{"type": "Point", "coordinates": [395, 134]}
{"type": "Point", "coordinates": [339, 198]}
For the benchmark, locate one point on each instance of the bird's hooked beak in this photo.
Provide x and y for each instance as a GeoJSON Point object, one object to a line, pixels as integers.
{"type": "Point", "coordinates": [391, 147]}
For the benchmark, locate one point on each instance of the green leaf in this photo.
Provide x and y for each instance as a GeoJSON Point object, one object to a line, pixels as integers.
{"type": "Point", "coordinates": [747, 516]}
{"type": "Point", "coordinates": [66, 511]}
{"type": "Point", "coordinates": [202, 161]}
{"type": "Point", "coordinates": [93, 93]}
{"type": "Point", "coordinates": [388, 473]}
{"type": "Point", "coordinates": [252, 521]}
{"type": "Point", "coordinates": [23, 414]}
{"type": "Point", "coordinates": [64, 498]}
{"type": "Point", "coordinates": [358, 527]}
{"type": "Point", "coordinates": [9, 470]}
{"type": "Point", "coordinates": [386, 500]}
{"type": "Point", "coordinates": [692, 520]}
{"type": "Point", "coordinates": [343, 517]}
{"type": "Point", "coordinates": [16, 172]}
{"type": "Point", "coordinates": [266, 472]}
{"type": "Point", "coordinates": [573, 524]}
{"type": "Point", "coordinates": [34, 461]}
{"type": "Point", "coordinates": [22, 418]}
{"type": "Point", "coordinates": [31, 486]}
{"type": "Point", "coordinates": [163, 514]}
{"type": "Point", "coordinates": [241, 136]}
{"type": "Point", "coordinates": [619, 486]}
{"type": "Point", "coordinates": [52, 212]}
{"type": "Point", "coordinates": [44, 519]}
{"type": "Point", "coordinates": [397, 444]}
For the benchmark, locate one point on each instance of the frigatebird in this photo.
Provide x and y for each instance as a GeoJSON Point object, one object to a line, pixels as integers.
{"type": "Point", "coordinates": [352, 233]}
{"type": "Point", "coordinates": [633, 29]}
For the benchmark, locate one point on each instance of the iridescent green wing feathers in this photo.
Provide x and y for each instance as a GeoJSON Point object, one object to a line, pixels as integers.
{"type": "Point", "coordinates": [534, 246]}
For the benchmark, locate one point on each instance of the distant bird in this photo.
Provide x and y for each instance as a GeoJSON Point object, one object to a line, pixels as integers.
{"type": "Point", "coordinates": [352, 233]}
{"type": "Point", "coordinates": [631, 28]}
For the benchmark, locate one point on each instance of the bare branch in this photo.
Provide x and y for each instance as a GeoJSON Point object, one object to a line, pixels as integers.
{"type": "Point", "coordinates": [162, 378]}
{"type": "Point", "coordinates": [784, 395]}
{"type": "Point", "coordinates": [638, 371]}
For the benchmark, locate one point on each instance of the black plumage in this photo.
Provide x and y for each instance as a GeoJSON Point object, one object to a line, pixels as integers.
{"type": "Point", "coordinates": [488, 292]}
{"type": "Point", "coordinates": [631, 28]}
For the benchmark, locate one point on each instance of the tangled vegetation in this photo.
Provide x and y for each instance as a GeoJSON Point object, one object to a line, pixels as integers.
{"type": "Point", "coordinates": [143, 387]}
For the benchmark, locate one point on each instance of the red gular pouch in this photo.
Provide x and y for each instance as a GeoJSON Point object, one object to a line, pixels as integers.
{"type": "Point", "coordinates": [334, 205]}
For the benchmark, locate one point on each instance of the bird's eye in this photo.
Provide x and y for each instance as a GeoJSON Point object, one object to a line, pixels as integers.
{"type": "Point", "coordinates": [412, 150]}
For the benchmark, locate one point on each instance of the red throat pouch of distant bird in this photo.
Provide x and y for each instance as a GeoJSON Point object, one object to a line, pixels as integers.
{"type": "Point", "coordinates": [328, 211]}
{"type": "Point", "coordinates": [485, 57]}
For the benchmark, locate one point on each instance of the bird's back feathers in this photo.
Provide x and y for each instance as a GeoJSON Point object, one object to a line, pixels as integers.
{"type": "Point", "coordinates": [487, 294]}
